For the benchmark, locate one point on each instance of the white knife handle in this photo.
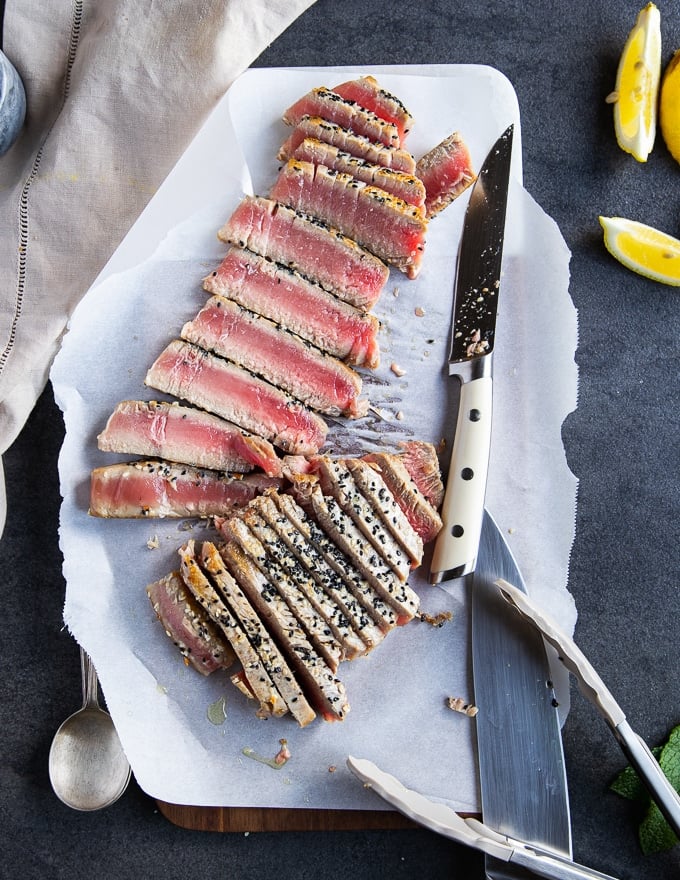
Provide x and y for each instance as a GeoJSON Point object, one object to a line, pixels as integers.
{"type": "Point", "coordinates": [455, 551]}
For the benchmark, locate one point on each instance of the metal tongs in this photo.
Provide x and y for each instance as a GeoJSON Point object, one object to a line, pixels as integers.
{"type": "Point", "coordinates": [444, 820]}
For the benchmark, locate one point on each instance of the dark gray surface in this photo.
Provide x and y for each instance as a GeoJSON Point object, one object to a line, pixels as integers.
{"type": "Point", "coordinates": [621, 442]}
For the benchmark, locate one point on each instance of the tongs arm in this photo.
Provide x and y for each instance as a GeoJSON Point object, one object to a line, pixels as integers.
{"type": "Point", "coordinates": [595, 690]}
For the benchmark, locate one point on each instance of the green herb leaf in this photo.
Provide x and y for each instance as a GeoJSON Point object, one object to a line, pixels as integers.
{"type": "Point", "coordinates": [655, 833]}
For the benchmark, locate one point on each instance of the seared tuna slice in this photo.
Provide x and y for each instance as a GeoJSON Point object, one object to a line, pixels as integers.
{"type": "Point", "coordinates": [366, 92]}
{"type": "Point", "coordinates": [404, 186]}
{"type": "Point", "coordinates": [341, 530]}
{"type": "Point", "coordinates": [295, 531]}
{"type": "Point", "coordinates": [227, 583]}
{"type": "Point", "coordinates": [198, 638]}
{"type": "Point", "coordinates": [261, 543]}
{"type": "Point", "coordinates": [259, 681]}
{"type": "Point", "coordinates": [420, 513]}
{"type": "Point", "coordinates": [147, 489]}
{"type": "Point", "coordinates": [330, 133]}
{"type": "Point", "coordinates": [446, 172]}
{"type": "Point", "coordinates": [321, 688]}
{"type": "Point", "coordinates": [374, 488]}
{"type": "Point", "coordinates": [185, 435]}
{"type": "Point", "coordinates": [421, 461]}
{"type": "Point", "coordinates": [298, 305]}
{"type": "Point", "coordinates": [190, 373]}
{"type": "Point", "coordinates": [309, 246]}
{"type": "Point", "coordinates": [282, 358]}
{"type": "Point", "coordinates": [337, 481]}
{"type": "Point", "coordinates": [329, 105]}
{"type": "Point", "coordinates": [387, 226]}
{"type": "Point", "coordinates": [325, 553]}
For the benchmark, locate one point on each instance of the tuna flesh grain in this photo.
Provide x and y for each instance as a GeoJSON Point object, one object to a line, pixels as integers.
{"type": "Point", "coordinates": [362, 147]}
{"type": "Point", "coordinates": [146, 489]}
{"type": "Point", "coordinates": [390, 228]}
{"type": "Point", "coordinates": [185, 435]}
{"type": "Point", "coordinates": [330, 106]}
{"type": "Point", "coordinates": [219, 386]}
{"type": "Point", "coordinates": [404, 186]}
{"type": "Point", "coordinates": [446, 172]}
{"type": "Point", "coordinates": [282, 358]}
{"type": "Point", "coordinates": [309, 246]}
{"type": "Point", "coordinates": [298, 305]}
{"type": "Point", "coordinates": [367, 92]}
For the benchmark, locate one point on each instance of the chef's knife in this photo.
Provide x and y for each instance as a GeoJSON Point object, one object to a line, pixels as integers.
{"type": "Point", "coordinates": [521, 762]}
{"type": "Point", "coordinates": [472, 341]}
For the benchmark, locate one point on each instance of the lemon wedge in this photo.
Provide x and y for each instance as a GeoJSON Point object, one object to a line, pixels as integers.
{"type": "Point", "coordinates": [643, 249]}
{"type": "Point", "coordinates": [669, 106]}
{"type": "Point", "coordinates": [637, 86]}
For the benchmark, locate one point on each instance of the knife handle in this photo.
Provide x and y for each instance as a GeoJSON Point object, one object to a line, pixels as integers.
{"type": "Point", "coordinates": [455, 551]}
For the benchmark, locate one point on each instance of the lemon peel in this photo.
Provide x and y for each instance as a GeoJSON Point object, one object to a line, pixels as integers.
{"type": "Point", "coordinates": [636, 94]}
{"type": "Point", "coordinates": [669, 106]}
{"type": "Point", "coordinates": [643, 249]}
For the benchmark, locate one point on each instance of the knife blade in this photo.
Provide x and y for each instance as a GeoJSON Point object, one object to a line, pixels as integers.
{"type": "Point", "coordinates": [521, 762]}
{"type": "Point", "coordinates": [472, 340]}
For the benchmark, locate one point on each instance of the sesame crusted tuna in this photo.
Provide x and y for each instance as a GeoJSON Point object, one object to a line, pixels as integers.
{"type": "Point", "coordinates": [446, 171]}
{"type": "Point", "coordinates": [219, 386]}
{"type": "Point", "coordinates": [332, 107]}
{"type": "Point", "coordinates": [390, 228]}
{"type": "Point", "coordinates": [330, 133]}
{"type": "Point", "coordinates": [298, 305]}
{"type": "Point", "coordinates": [282, 358]}
{"type": "Point", "coordinates": [367, 92]}
{"type": "Point", "coordinates": [149, 488]}
{"type": "Point", "coordinates": [404, 186]}
{"type": "Point", "coordinates": [259, 681]}
{"type": "Point", "coordinates": [309, 246]}
{"type": "Point", "coordinates": [186, 435]}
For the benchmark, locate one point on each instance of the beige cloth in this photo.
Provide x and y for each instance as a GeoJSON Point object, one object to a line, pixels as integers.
{"type": "Point", "coordinates": [116, 90]}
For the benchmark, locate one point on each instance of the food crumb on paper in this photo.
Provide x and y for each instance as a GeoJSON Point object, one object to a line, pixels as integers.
{"type": "Point", "coordinates": [279, 759]}
{"type": "Point", "coordinates": [458, 704]}
{"type": "Point", "coordinates": [332, 768]}
{"type": "Point", "coordinates": [437, 620]}
{"type": "Point", "coordinates": [153, 543]}
{"type": "Point", "coordinates": [419, 312]}
{"type": "Point", "coordinates": [396, 369]}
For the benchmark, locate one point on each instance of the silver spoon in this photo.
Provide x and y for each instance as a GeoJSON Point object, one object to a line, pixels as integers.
{"type": "Point", "coordinates": [88, 768]}
{"type": "Point", "coordinates": [12, 104]}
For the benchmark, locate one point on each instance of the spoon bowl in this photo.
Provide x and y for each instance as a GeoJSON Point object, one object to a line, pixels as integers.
{"type": "Point", "coordinates": [88, 768]}
{"type": "Point", "coordinates": [12, 104]}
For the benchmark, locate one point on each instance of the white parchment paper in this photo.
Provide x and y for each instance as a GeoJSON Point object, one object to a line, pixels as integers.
{"type": "Point", "coordinates": [153, 284]}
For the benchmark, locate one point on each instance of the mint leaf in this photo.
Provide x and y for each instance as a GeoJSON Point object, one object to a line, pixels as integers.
{"type": "Point", "coordinates": [655, 833]}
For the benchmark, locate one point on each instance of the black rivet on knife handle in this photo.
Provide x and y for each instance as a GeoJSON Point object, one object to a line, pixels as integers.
{"type": "Point", "coordinates": [474, 415]}
{"type": "Point", "coordinates": [467, 473]}
{"type": "Point", "coordinates": [457, 531]}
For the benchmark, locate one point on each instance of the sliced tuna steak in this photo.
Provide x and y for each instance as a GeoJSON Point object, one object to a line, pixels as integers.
{"type": "Point", "coordinates": [259, 681]}
{"type": "Point", "coordinates": [362, 147]}
{"type": "Point", "coordinates": [198, 638]}
{"type": "Point", "coordinates": [366, 92]}
{"type": "Point", "coordinates": [199, 377]}
{"type": "Point", "coordinates": [146, 489]}
{"type": "Point", "coordinates": [185, 435]}
{"type": "Point", "coordinates": [328, 557]}
{"type": "Point", "coordinates": [343, 532]}
{"type": "Point", "coordinates": [298, 537]}
{"type": "Point", "coordinates": [309, 246]}
{"type": "Point", "coordinates": [282, 570]}
{"type": "Point", "coordinates": [446, 172]}
{"type": "Point", "coordinates": [387, 226]}
{"type": "Point", "coordinates": [420, 513]}
{"type": "Point", "coordinates": [318, 685]}
{"type": "Point", "coordinates": [404, 186]}
{"type": "Point", "coordinates": [330, 106]}
{"type": "Point", "coordinates": [282, 358]}
{"type": "Point", "coordinates": [227, 583]}
{"type": "Point", "coordinates": [336, 480]}
{"type": "Point", "coordinates": [375, 490]}
{"type": "Point", "coordinates": [421, 461]}
{"type": "Point", "coordinates": [298, 305]}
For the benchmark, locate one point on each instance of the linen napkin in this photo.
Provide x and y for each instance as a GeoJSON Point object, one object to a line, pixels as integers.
{"type": "Point", "coordinates": [116, 90]}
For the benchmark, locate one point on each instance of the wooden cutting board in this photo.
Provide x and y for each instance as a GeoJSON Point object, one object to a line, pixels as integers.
{"type": "Point", "coordinates": [271, 819]}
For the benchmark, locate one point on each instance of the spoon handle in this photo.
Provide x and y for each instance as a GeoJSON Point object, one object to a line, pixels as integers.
{"type": "Point", "coordinates": [90, 681]}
